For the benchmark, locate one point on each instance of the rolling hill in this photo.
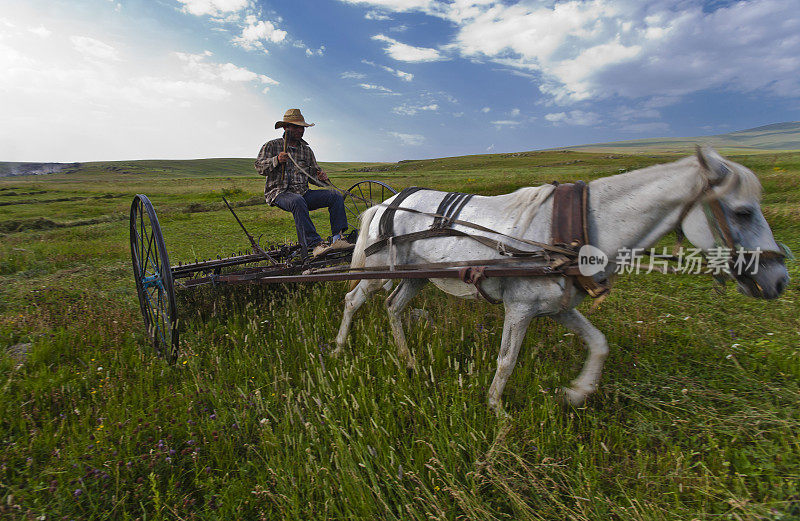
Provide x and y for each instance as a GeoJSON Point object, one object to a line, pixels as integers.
{"type": "Point", "coordinates": [778, 136]}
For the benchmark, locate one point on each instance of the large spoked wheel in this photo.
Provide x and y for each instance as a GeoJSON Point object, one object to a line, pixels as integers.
{"type": "Point", "coordinates": [364, 194]}
{"type": "Point", "coordinates": [153, 276]}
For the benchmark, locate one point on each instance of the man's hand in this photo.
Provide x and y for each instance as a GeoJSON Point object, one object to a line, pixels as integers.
{"type": "Point", "coordinates": [322, 176]}
{"type": "Point", "coordinates": [282, 157]}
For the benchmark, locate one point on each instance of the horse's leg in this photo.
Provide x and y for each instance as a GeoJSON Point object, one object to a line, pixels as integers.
{"type": "Point", "coordinates": [517, 319]}
{"type": "Point", "coordinates": [395, 304]}
{"type": "Point", "coordinates": [353, 301]}
{"type": "Point", "coordinates": [586, 382]}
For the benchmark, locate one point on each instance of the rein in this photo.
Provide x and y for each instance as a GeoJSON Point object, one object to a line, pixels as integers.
{"type": "Point", "coordinates": [502, 248]}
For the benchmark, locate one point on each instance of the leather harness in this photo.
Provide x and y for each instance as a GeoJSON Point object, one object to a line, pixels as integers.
{"type": "Point", "coordinates": [569, 232]}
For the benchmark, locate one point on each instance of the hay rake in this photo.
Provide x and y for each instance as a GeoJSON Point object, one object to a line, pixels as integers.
{"type": "Point", "coordinates": [157, 280]}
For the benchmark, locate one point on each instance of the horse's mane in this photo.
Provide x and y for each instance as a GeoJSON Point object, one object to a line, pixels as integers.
{"type": "Point", "coordinates": [742, 182]}
{"type": "Point", "coordinates": [525, 203]}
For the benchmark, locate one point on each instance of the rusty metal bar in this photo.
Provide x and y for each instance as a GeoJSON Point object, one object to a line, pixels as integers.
{"type": "Point", "coordinates": [442, 273]}
{"type": "Point", "coordinates": [185, 270]}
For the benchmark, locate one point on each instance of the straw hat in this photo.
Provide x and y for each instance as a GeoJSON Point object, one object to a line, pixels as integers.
{"type": "Point", "coordinates": [294, 117]}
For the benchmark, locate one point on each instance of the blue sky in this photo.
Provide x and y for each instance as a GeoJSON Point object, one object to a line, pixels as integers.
{"type": "Point", "coordinates": [385, 80]}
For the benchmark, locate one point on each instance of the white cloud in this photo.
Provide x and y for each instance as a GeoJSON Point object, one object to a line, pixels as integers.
{"type": "Point", "coordinates": [574, 117]}
{"type": "Point", "coordinates": [376, 15]}
{"type": "Point", "coordinates": [411, 110]}
{"type": "Point", "coordinates": [213, 7]}
{"type": "Point", "coordinates": [317, 52]}
{"type": "Point", "coordinates": [408, 139]}
{"type": "Point", "coordinates": [92, 48]}
{"type": "Point", "coordinates": [227, 72]}
{"type": "Point", "coordinates": [405, 76]}
{"type": "Point", "coordinates": [40, 31]}
{"type": "Point", "coordinates": [408, 53]}
{"type": "Point", "coordinates": [596, 49]}
{"type": "Point", "coordinates": [486, 110]}
{"type": "Point", "coordinates": [514, 113]}
{"type": "Point", "coordinates": [505, 123]}
{"type": "Point", "coordinates": [397, 5]}
{"type": "Point", "coordinates": [255, 32]}
{"type": "Point", "coordinates": [351, 75]}
{"type": "Point", "coordinates": [378, 88]}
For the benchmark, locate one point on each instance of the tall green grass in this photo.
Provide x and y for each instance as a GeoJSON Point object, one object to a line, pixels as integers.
{"type": "Point", "coordinates": [697, 416]}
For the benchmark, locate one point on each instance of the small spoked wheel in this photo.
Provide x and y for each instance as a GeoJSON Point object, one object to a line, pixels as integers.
{"type": "Point", "coordinates": [363, 195]}
{"type": "Point", "coordinates": [153, 276]}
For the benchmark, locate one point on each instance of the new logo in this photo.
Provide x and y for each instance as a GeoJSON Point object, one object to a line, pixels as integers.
{"type": "Point", "coordinates": [591, 260]}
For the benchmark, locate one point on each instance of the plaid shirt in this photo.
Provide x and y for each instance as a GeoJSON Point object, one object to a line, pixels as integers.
{"type": "Point", "coordinates": [290, 180]}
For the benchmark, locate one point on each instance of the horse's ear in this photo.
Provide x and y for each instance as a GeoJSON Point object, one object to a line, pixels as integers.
{"type": "Point", "coordinates": [713, 164]}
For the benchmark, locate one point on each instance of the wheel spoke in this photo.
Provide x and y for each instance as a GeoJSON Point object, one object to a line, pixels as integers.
{"type": "Point", "coordinates": [362, 195]}
{"type": "Point", "coordinates": [149, 248]}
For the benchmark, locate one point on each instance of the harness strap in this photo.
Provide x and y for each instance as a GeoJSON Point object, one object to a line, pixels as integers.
{"type": "Point", "coordinates": [474, 275]}
{"type": "Point", "coordinates": [386, 225]}
{"type": "Point", "coordinates": [450, 208]}
{"type": "Point", "coordinates": [549, 247]}
{"type": "Point", "coordinates": [444, 207]}
{"type": "Point", "coordinates": [450, 232]}
{"type": "Point", "coordinates": [568, 223]}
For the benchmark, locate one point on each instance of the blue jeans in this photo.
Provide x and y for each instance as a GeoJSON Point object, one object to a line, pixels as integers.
{"type": "Point", "coordinates": [300, 205]}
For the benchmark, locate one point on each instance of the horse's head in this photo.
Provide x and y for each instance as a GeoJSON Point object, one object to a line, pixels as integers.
{"type": "Point", "coordinates": [727, 215]}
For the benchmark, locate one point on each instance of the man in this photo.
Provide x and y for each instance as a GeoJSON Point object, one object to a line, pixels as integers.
{"type": "Point", "coordinates": [287, 185]}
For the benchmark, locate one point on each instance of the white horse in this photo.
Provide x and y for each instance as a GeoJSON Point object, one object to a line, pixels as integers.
{"type": "Point", "coordinates": [631, 210]}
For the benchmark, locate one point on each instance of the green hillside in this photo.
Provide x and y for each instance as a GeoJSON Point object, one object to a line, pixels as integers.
{"type": "Point", "coordinates": [778, 136]}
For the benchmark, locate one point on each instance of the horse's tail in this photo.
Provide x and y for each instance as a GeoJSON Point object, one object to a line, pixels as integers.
{"type": "Point", "coordinates": [359, 257]}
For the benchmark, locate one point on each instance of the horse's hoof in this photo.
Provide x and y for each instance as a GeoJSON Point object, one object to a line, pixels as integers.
{"type": "Point", "coordinates": [499, 411]}
{"type": "Point", "coordinates": [502, 414]}
{"type": "Point", "coordinates": [411, 366]}
{"type": "Point", "coordinates": [573, 397]}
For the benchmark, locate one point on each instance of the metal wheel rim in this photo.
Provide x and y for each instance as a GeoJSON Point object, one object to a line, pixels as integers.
{"type": "Point", "coordinates": [153, 276]}
{"type": "Point", "coordinates": [373, 191]}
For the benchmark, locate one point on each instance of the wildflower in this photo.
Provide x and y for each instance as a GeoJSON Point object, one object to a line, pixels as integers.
{"type": "Point", "coordinates": [77, 493]}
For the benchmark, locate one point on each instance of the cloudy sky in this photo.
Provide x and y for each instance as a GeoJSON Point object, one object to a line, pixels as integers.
{"type": "Point", "coordinates": [385, 80]}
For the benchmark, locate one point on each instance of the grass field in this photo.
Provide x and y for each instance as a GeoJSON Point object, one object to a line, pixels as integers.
{"type": "Point", "coordinates": [698, 415]}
